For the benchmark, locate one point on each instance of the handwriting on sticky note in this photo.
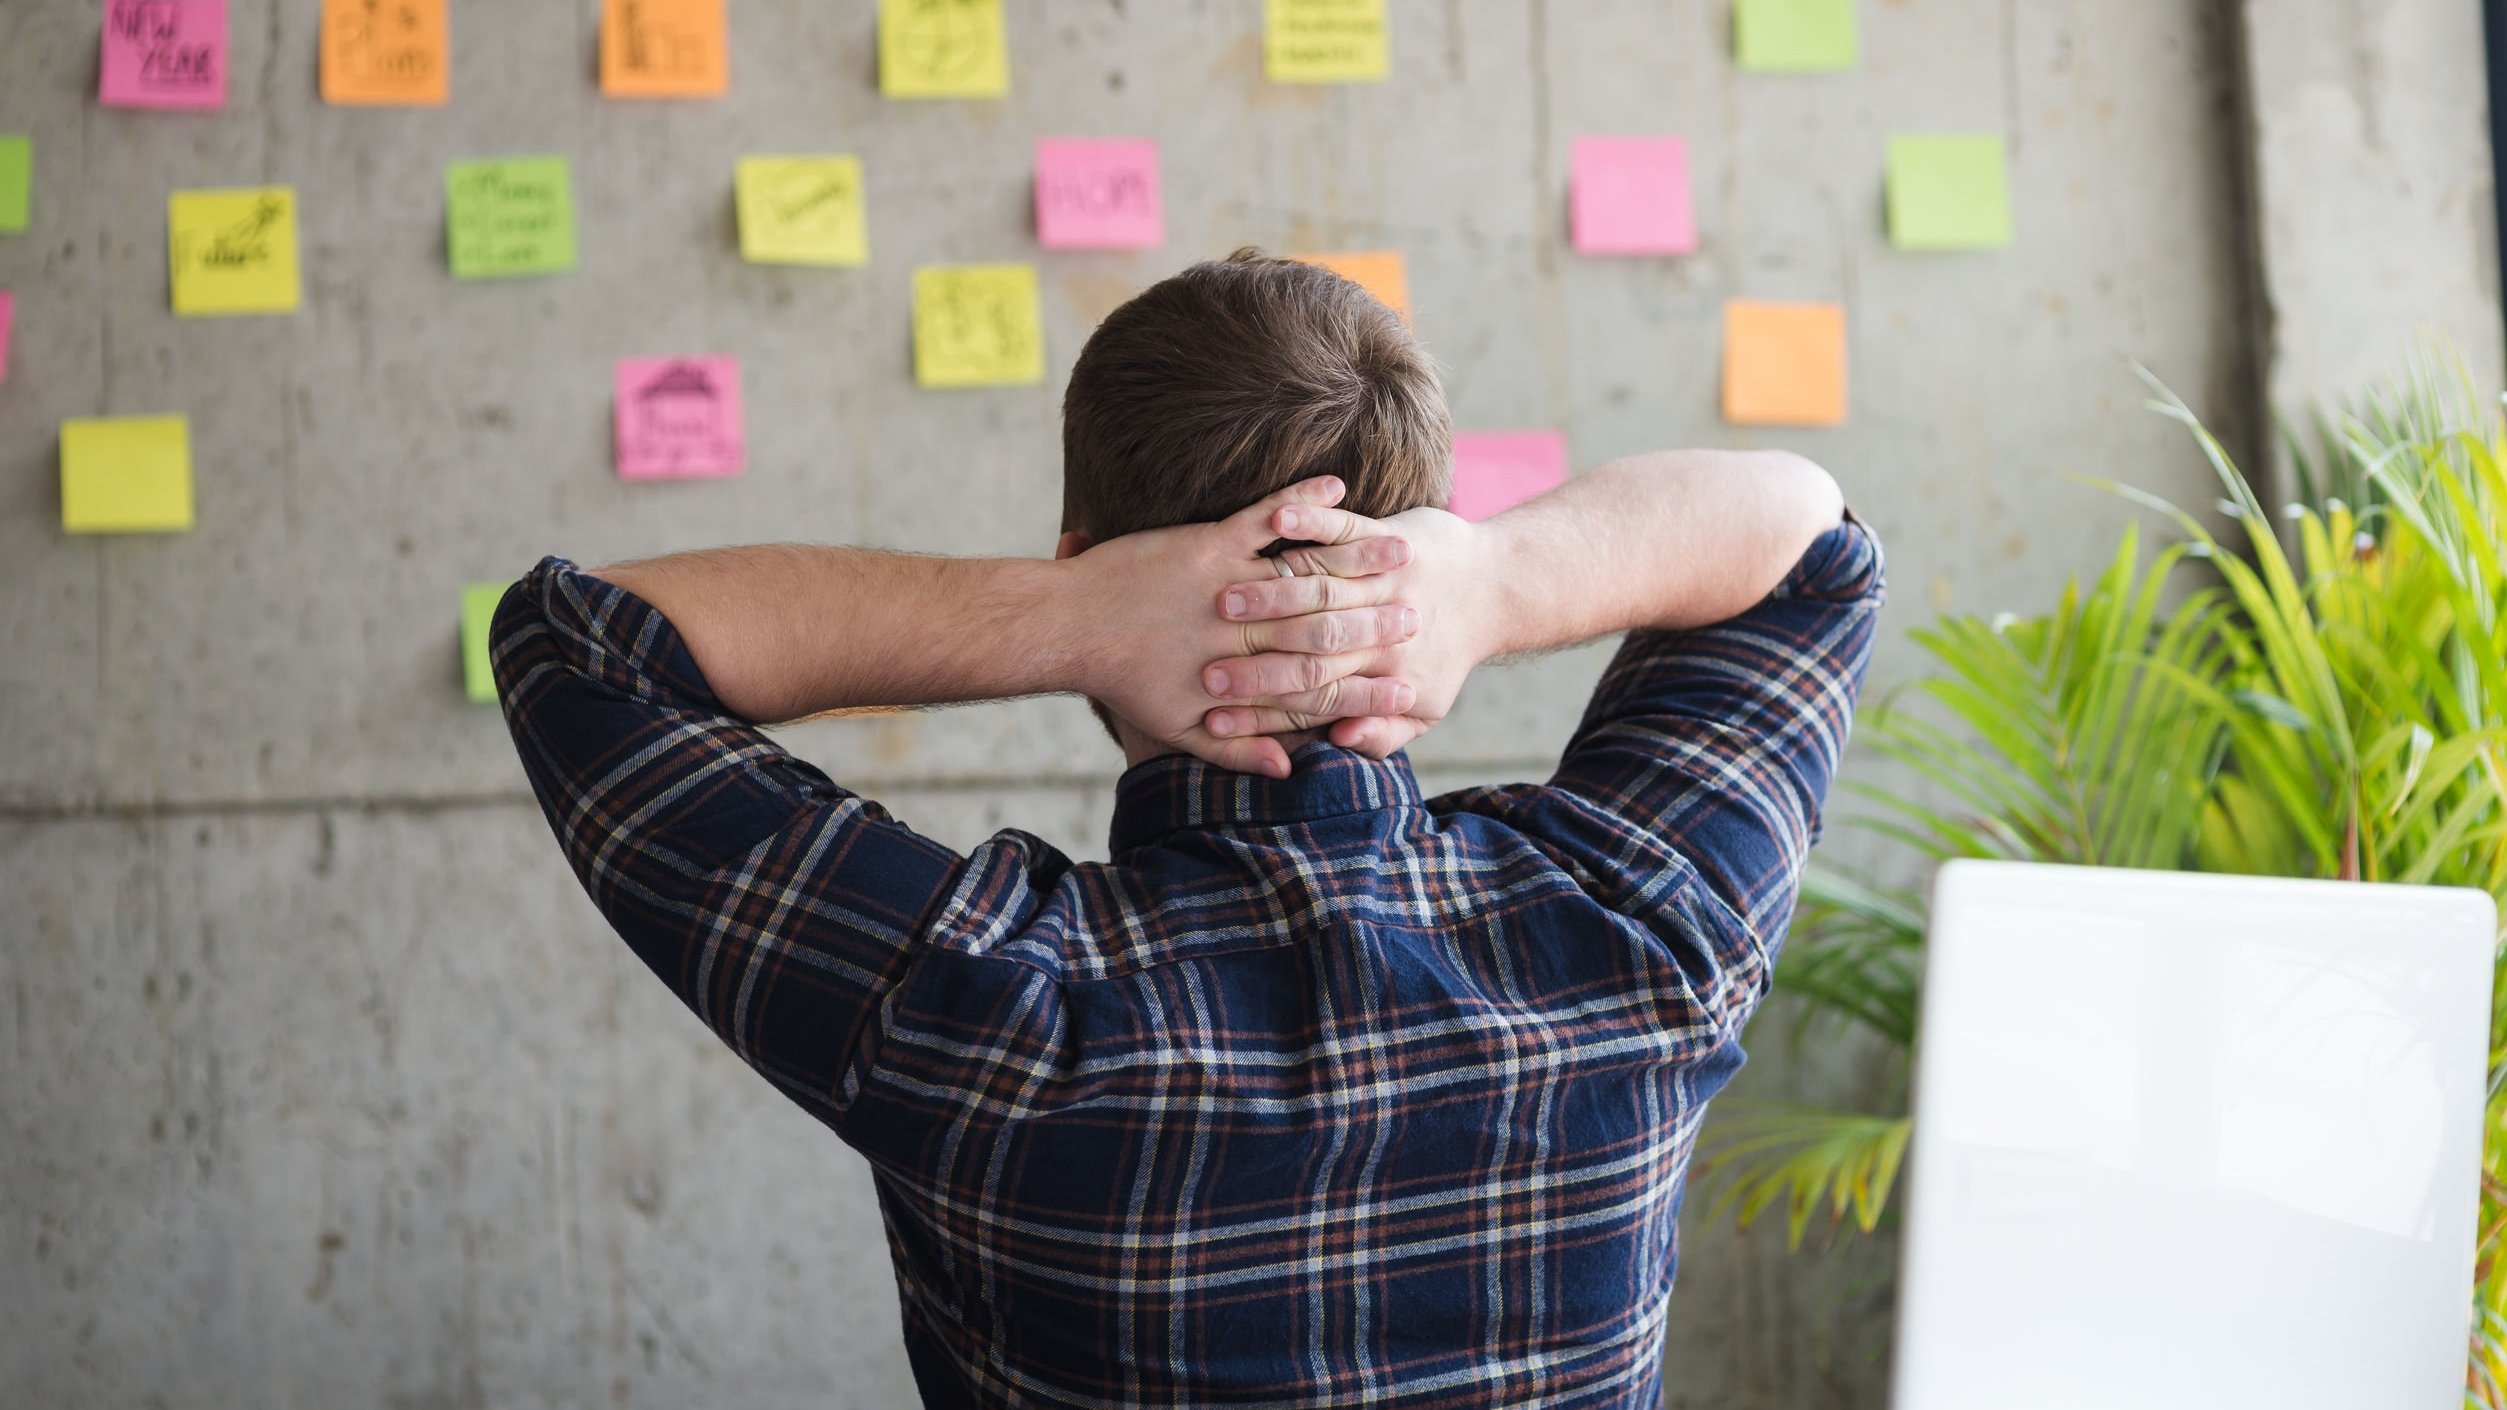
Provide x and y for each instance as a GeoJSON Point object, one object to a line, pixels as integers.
{"type": "Point", "coordinates": [8, 315]}
{"type": "Point", "coordinates": [163, 54]}
{"type": "Point", "coordinates": [1325, 41]}
{"type": "Point", "coordinates": [664, 49]}
{"type": "Point", "coordinates": [1948, 191]}
{"type": "Point", "coordinates": [977, 325]}
{"type": "Point", "coordinates": [1380, 272]}
{"type": "Point", "coordinates": [1631, 196]}
{"type": "Point", "coordinates": [17, 180]}
{"type": "Point", "coordinates": [126, 475]}
{"type": "Point", "coordinates": [1784, 363]}
{"type": "Point", "coordinates": [1099, 194]}
{"type": "Point", "coordinates": [509, 217]}
{"type": "Point", "coordinates": [1497, 470]}
{"type": "Point", "coordinates": [1793, 36]}
{"type": "Point", "coordinates": [679, 418]}
{"type": "Point", "coordinates": [385, 52]}
{"type": "Point", "coordinates": [801, 210]}
{"type": "Point", "coordinates": [232, 251]}
{"type": "Point", "coordinates": [943, 49]}
{"type": "Point", "coordinates": [479, 602]}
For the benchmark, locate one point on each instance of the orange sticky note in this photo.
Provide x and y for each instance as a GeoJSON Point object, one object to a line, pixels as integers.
{"type": "Point", "coordinates": [1379, 272]}
{"type": "Point", "coordinates": [385, 52]}
{"type": "Point", "coordinates": [664, 49]}
{"type": "Point", "coordinates": [1784, 363]}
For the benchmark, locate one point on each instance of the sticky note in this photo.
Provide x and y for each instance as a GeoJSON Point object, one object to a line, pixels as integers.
{"type": "Point", "coordinates": [1325, 41]}
{"type": "Point", "coordinates": [1784, 363]}
{"type": "Point", "coordinates": [1631, 196]}
{"type": "Point", "coordinates": [1496, 470]}
{"type": "Point", "coordinates": [126, 475]}
{"type": "Point", "coordinates": [943, 49]}
{"type": "Point", "coordinates": [679, 418]}
{"type": "Point", "coordinates": [385, 52]}
{"type": "Point", "coordinates": [1793, 36]}
{"type": "Point", "coordinates": [801, 210]}
{"type": "Point", "coordinates": [163, 54]}
{"type": "Point", "coordinates": [1948, 191]}
{"type": "Point", "coordinates": [1379, 272]}
{"type": "Point", "coordinates": [515, 216]}
{"type": "Point", "coordinates": [17, 179]}
{"type": "Point", "coordinates": [479, 602]}
{"type": "Point", "coordinates": [232, 250]}
{"type": "Point", "coordinates": [664, 49]}
{"type": "Point", "coordinates": [977, 325]}
{"type": "Point", "coordinates": [1098, 194]}
{"type": "Point", "coordinates": [8, 313]}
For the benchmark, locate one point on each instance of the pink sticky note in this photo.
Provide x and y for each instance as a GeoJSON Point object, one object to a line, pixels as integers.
{"type": "Point", "coordinates": [1632, 196]}
{"type": "Point", "coordinates": [1098, 194]}
{"type": "Point", "coordinates": [679, 418]}
{"type": "Point", "coordinates": [164, 54]}
{"type": "Point", "coordinates": [8, 307]}
{"type": "Point", "coordinates": [1496, 470]}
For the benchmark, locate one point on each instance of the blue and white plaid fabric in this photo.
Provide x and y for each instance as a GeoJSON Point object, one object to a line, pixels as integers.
{"type": "Point", "coordinates": [1319, 1093]}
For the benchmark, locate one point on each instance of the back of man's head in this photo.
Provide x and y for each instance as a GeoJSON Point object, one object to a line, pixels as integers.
{"type": "Point", "coordinates": [1240, 376]}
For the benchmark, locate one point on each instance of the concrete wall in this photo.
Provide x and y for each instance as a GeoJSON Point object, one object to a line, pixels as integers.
{"type": "Point", "coordinates": [323, 1085]}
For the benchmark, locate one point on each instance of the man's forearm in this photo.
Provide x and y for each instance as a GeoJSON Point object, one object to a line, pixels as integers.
{"type": "Point", "coordinates": [1673, 539]}
{"type": "Point", "coordinates": [787, 630]}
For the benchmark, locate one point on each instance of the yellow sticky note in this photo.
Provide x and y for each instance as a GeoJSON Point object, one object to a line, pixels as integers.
{"type": "Point", "coordinates": [126, 475]}
{"type": "Point", "coordinates": [801, 210]}
{"type": "Point", "coordinates": [388, 52]}
{"type": "Point", "coordinates": [478, 619]}
{"type": "Point", "coordinates": [977, 325]}
{"type": "Point", "coordinates": [1325, 41]}
{"type": "Point", "coordinates": [1379, 272]}
{"type": "Point", "coordinates": [664, 49]}
{"type": "Point", "coordinates": [1784, 363]}
{"type": "Point", "coordinates": [232, 250]}
{"type": "Point", "coordinates": [943, 49]}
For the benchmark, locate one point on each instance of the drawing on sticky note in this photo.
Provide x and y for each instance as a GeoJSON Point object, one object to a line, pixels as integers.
{"type": "Point", "coordinates": [232, 251]}
{"type": "Point", "coordinates": [1631, 196]}
{"type": "Point", "coordinates": [163, 54]}
{"type": "Point", "coordinates": [1497, 470]}
{"type": "Point", "coordinates": [126, 475]}
{"type": "Point", "coordinates": [664, 49]}
{"type": "Point", "coordinates": [509, 217]}
{"type": "Point", "coordinates": [801, 210]}
{"type": "Point", "coordinates": [977, 325]}
{"type": "Point", "coordinates": [1325, 41]}
{"type": "Point", "coordinates": [384, 52]}
{"type": "Point", "coordinates": [942, 49]}
{"type": "Point", "coordinates": [1784, 363]}
{"type": "Point", "coordinates": [679, 418]}
{"type": "Point", "coordinates": [1098, 194]}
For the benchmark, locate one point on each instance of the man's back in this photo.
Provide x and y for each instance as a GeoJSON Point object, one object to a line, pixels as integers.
{"type": "Point", "coordinates": [1317, 1092]}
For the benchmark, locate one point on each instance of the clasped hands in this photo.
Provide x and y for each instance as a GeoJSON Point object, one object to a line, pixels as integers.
{"type": "Point", "coordinates": [1197, 638]}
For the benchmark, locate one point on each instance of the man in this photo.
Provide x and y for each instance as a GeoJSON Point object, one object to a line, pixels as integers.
{"type": "Point", "coordinates": [1318, 1092]}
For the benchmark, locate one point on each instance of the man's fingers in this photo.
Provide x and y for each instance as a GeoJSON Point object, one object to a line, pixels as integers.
{"type": "Point", "coordinates": [1257, 754]}
{"type": "Point", "coordinates": [1353, 695]}
{"type": "Point", "coordinates": [1270, 598]}
{"type": "Point", "coordinates": [1358, 559]}
{"type": "Point", "coordinates": [1320, 523]}
{"type": "Point", "coordinates": [1332, 633]}
{"type": "Point", "coordinates": [1277, 674]}
{"type": "Point", "coordinates": [1251, 526]}
{"type": "Point", "coordinates": [1376, 736]}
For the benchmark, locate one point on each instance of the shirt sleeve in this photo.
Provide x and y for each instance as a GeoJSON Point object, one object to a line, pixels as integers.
{"type": "Point", "coordinates": [778, 906]}
{"type": "Point", "coordinates": [1705, 756]}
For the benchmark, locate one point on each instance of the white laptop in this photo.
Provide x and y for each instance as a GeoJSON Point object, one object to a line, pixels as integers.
{"type": "Point", "coordinates": [2193, 1141]}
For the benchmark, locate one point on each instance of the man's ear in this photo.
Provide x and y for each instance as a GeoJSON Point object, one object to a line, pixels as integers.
{"type": "Point", "coordinates": [1072, 545]}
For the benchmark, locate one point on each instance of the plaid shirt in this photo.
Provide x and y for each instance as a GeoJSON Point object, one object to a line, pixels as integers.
{"type": "Point", "coordinates": [1319, 1092]}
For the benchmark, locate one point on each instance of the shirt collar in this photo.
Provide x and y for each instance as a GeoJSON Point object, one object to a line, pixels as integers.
{"type": "Point", "coordinates": [1176, 791]}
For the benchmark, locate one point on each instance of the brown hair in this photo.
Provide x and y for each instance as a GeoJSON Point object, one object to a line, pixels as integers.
{"type": "Point", "coordinates": [1237, 377]}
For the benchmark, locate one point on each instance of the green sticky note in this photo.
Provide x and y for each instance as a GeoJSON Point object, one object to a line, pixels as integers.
{"type": "Point", "coordinates": [515, 216]}
{"type": "Point", "coordinates": [17, 179]}
{"type": "Point", "coordinates": [1949, 191]}
{"type": "Point", "coordinates": [478, 615]}
{"type": "Point", "coordinates": [1793, 36]}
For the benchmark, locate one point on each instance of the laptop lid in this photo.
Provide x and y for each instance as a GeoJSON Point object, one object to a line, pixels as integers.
{"type": "Point", "coordinates": [2195, 1141]}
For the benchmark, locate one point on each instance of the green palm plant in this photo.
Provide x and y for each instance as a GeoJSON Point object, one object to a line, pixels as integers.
{"type": "Point", "coordinates": [2332, 708]}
